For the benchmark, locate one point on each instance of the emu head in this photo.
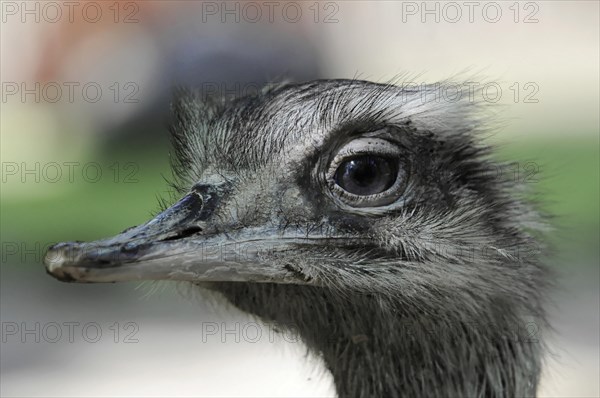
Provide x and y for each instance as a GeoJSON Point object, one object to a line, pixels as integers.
{"type": "Point", "coordinates": [343, 183]}
{"type": "Point", "coordinates": [344, 206]}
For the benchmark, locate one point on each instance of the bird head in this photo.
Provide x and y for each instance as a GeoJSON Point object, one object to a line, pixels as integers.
{"type": "Point", "coordinates": [368, 217]}
{"type": "Point", "coordinates": [341, 184]}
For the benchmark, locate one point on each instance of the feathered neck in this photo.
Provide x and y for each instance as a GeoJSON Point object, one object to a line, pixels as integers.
{"type": "Point", "coordinates": [378, 346]}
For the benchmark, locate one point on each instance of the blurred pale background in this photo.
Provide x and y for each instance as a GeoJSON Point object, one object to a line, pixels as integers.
{"type": "Point", "coordinates": [85, 94]}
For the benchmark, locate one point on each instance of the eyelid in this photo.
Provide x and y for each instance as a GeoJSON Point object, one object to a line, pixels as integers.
{"type": "Point", "coordinates": [364, 146]}
{"type": "Point", "coordinates": [367, 146]}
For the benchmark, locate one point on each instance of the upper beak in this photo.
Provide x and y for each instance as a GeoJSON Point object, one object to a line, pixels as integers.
{"type": "Point", "coordinates": [177, 244]}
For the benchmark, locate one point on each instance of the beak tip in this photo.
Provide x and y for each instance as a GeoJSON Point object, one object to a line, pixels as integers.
{"type": "Point", "coordinates": [54, 257]}
{"type": "Point", "coordinates": [61, 275]}
{"type": "Point", "coordinates": [55, 261]}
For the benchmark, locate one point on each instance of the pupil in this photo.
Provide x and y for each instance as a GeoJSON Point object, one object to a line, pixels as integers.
{"type": "Point", "coordinates": [366, 175]}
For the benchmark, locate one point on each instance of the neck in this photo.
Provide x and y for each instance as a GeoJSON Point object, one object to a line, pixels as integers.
{"type": "Point", "coordinates": [377, 346]}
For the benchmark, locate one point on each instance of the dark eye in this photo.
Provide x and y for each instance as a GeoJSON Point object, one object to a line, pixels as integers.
{"type": "Point", "coordinates": [366, 175]}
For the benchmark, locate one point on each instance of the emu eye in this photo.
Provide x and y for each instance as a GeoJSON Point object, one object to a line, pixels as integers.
{"type": "Point", "coordinates": [366, 175]}
{"type": "Point", "coordinates": [367, 172]}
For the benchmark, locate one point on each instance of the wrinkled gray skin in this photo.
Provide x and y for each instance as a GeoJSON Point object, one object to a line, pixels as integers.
{"type": "Point", "coordinates": [436, 294]}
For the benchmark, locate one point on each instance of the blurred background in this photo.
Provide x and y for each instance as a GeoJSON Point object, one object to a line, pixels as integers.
{"type": "Point", "coordinates": [84, 145]}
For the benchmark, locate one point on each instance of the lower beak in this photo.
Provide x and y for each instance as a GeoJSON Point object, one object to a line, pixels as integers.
{"type": "Point", "coordinates": [174, 245]}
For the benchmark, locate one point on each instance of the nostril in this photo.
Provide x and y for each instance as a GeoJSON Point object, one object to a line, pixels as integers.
{"type": "Point", "coordinates": [184, 233]}
{"type": "Point", "coordinates": [191, 230]}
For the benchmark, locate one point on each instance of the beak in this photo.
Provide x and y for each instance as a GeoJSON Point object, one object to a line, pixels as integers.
{"type": "Point", "coordinates": [178, 244]}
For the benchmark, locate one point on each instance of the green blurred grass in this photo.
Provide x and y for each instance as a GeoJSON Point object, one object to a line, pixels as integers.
{"type": "Point", "coordinates": [89, 210]}
{"type": "Point", "coordinates": [568, 187]}
{"type": "Point", "coordinates": [569, 177]}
